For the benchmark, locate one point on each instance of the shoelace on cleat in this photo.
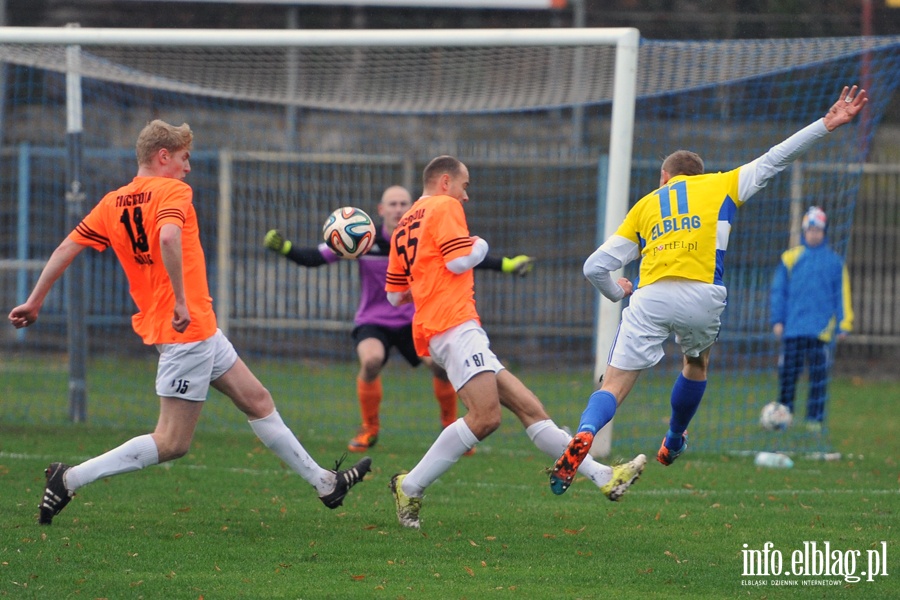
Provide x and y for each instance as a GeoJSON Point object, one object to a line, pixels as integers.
{"type": "Point", "coordinates": [340, 461]}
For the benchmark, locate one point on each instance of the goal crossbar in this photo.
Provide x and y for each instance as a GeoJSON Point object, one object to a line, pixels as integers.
{"type": "Point", "coordinates": [97, 36]}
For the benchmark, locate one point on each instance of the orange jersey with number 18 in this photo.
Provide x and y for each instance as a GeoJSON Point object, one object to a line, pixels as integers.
{"type": "Point", "coordinates": [430, 234]}
{"type": "Point", "coordinates": [128, 220]}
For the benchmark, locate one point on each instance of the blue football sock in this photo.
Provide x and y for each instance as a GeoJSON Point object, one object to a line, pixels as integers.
{"type": "Point", "coordinates": [674, 441]}
{"type": "Point", "coordinates": [599, 411]}
{"type": "Point", "coordinates": [686, 397]}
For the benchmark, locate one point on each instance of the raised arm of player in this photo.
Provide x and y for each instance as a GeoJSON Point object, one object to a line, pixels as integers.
{"type": "Point", "coordinates": [845, 108]}
{"type": "Point", "coordinates": [756, 174]}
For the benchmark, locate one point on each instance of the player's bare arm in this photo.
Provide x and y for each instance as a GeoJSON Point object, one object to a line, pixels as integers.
{"type": "Point", "coordinates": [27, 313]}
{"type": "Point", "coordinates": [170, 246]}
{"type": "Point", "coordinates": [846, 108]}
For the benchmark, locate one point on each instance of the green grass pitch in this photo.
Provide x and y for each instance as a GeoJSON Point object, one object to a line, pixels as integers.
{"type": "Point", "coordinates": [229, 521]}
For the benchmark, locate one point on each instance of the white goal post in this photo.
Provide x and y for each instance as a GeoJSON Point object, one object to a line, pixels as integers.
{"type": "Point", "coordinates": [625, 42]}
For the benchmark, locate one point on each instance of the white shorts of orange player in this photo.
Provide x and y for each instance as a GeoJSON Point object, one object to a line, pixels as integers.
{"type": "Point", "coordinates": [185, 370]}
{"type": "Point", "coordinates": [464, 351]}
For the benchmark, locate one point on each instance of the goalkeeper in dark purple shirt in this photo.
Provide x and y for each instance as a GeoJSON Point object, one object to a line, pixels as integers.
{"type": "Point", "coordinates": [380, 325]}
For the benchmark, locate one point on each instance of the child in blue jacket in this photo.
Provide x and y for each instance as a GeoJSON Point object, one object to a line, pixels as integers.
{"type": "Point", "coordinates": [809, 306]}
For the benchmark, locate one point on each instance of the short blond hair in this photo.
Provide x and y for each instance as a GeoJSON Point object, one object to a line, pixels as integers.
{"type": "Point", "coordinates": [158, 135]}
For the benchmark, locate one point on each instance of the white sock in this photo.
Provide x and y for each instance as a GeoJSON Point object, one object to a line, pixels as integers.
{"type": "Point", "coordinates": [552, 441]}
{"type": "Point", "coordinates": [133, 455]}
{"type": "Point", "coordinates": [455, 440]}
{"type": "Point", "coordinates": [279, 439]}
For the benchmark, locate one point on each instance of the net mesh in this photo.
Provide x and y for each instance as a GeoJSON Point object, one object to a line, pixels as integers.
{"type": "Point", "coordinates": [292, 133]}
{"type": "Point", "coordinates": [435, 80]}
{"type": "Point", "coordinates": [373, 80]}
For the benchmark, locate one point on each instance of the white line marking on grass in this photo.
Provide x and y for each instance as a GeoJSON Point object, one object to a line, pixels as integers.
{"type": "Point", "coordinates": [165, 465]}
{"type": "Point", "coordinates": [488, 485]}
{"type": "Point", "coordinates": [684, 492]}
{"type": "Point", "coordinates": [20, 456]}
{"type": "Point", "coordinates": [698, 492]}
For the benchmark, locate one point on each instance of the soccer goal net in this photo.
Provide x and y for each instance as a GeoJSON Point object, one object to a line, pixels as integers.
{"type": "Point", "coordinates": [560, 129]}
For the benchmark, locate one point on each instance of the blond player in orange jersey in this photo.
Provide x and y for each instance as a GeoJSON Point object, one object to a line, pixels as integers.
{"type": "Point", "coordinates": [431, 260]}
{"type": "Point", "coordinates": [151, 225]}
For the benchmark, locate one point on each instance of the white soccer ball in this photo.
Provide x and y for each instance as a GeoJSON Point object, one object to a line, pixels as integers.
{"type": "Point", "coordinates": [349, 232]}
{"type": "Point", "coordinates": [775, 416]}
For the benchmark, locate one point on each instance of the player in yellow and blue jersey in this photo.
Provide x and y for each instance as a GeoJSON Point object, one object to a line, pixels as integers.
{"type": "Point", "coordinates": [680, 233]}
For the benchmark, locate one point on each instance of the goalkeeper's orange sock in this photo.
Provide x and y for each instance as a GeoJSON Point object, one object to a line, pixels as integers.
{"type": "Point", "coordinates": [369, 394]}
{"type": "Point", "coordinates": [446, 397]}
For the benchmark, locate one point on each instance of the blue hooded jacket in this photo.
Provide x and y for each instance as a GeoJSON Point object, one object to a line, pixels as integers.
{"type": "Point", "coordinates": [810, 293]}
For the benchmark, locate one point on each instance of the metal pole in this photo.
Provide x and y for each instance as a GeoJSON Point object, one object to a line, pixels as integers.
{"type": "Point", "coordinates": [293, 61]}
{"type": "Point", "coordinates": [75, 277]}
{"type": "Point", "coordinates": [579, 22]}
{"type": "Point", "coordinates": [867, 18]}
{"type": "Point", "coordinates": [224, 266]}
{"type": "Point", "coordinates": [23, 219]}
{"type": "Point", "coordinates": [2, 79]}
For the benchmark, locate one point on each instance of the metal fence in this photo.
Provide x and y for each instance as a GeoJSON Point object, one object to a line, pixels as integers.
{"type": "Point", "coordinates": [873, 259]}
